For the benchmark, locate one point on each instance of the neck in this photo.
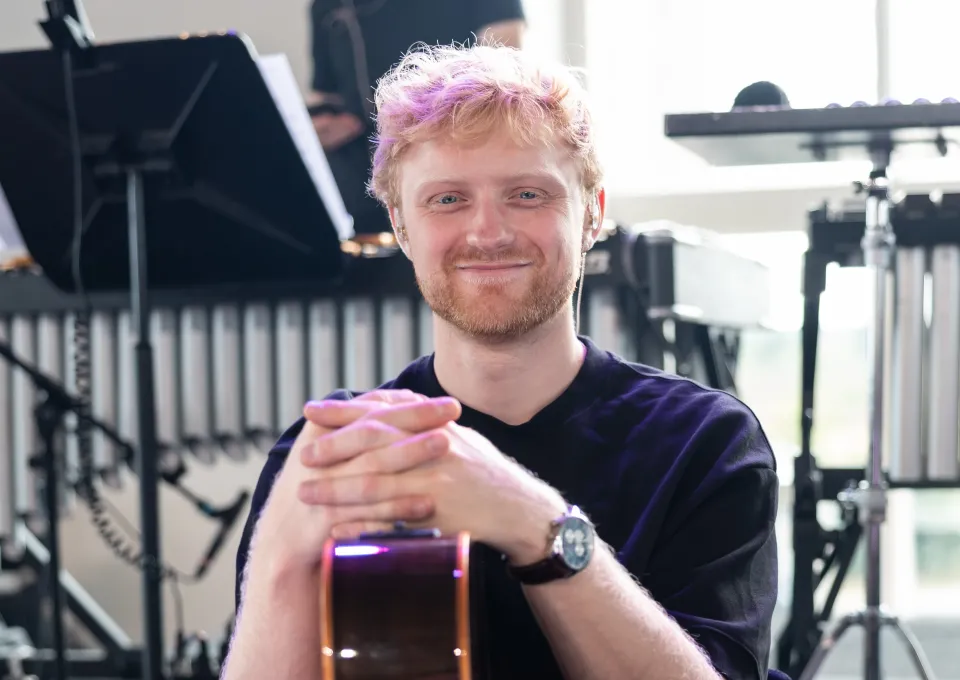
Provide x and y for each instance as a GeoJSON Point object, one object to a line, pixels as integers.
{"type": "Point", "coordinates": [509, 380]}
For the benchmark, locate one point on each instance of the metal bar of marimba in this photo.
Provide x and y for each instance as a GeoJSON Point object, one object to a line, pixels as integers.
{"type": "Point", "coordinates": [229, 377]}
{"type": "Point", "coordinates": [944, 367]}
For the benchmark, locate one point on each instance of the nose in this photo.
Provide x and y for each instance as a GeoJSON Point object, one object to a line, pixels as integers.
{"type": "Point", "coordinates": [488, 228]}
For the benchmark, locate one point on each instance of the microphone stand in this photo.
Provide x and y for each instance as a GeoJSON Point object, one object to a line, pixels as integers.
{"type": "Point", "coordinates": [69, 32]}
{"type": "Point", "coordinates": [53, 404]}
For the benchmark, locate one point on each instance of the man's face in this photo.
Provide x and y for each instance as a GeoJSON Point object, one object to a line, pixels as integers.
{"type": "Point", "coordinates": [494, 231]}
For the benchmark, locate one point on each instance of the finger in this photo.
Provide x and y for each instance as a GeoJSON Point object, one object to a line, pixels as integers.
{"type": "Point", "coordinates": [401, 456]}
{"type": "Point", "coordinates": [353, 490]}
{"type": "Point", "coordinates": [353, 530]}
{"type": "Point", "coordinates": [407, 509]}
{"type": "Point", "coordinates": [363, 404]}
{"type": "Point", "coordinates": [345, 443]}
{"type": "Point", "coordinates": [412, 417]}
{"type": "Point", "coordinates": [356, 406]}
{"type": "Point", "coordinates": [391, 396]}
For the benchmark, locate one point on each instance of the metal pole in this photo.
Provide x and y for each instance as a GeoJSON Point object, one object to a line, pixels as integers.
{"type": "Point", "coordinates": [147, 444]}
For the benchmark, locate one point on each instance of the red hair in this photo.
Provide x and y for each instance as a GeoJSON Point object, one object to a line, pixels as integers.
{"type": "Point", "coordinates": [462, 93]}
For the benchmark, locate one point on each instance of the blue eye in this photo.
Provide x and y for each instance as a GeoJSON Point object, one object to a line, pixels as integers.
{"type": "Point", "coordinates": [528, 194]}
{"type": "Point", "coordinates": [444, 201]}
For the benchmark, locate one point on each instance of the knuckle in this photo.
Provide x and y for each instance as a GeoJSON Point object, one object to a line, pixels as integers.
{"type": "Point", "coordinates": [319, 449]}
{"type": "Point", "coordinates": [370, 487]}
{"type": "Point", "coordinates": [318, 490]}
{"type": "Point", "coordinates": [369, 432]}
{"type": "Point", "coordinates": [423, 448]}
{"type": "Point", "coordinates": [370, 464]}
{"type": "Point", "coordinates": [307, 491]}
{"type": "Point", "coordinates": [442, 441]}
{"type": "Point", "coordinates": [402, 507]}
{"type": "Point", "coordinates": [307, 452]}
{"type": "Point", "coordinates": [412, 453]}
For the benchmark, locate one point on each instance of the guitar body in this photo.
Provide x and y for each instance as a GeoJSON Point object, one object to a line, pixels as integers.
{"type": "Point", "coordinates": [401, 605]}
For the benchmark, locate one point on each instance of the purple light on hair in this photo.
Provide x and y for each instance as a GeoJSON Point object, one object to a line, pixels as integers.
{"type": "Point", "coordinates": [358, 550]}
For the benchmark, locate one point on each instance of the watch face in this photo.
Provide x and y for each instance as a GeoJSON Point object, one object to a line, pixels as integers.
{"type": "Point", "coordinates": [576, 542]}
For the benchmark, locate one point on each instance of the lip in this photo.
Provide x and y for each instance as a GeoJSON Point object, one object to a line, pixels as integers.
{"type": "Point", "coordinates": [493, 266]}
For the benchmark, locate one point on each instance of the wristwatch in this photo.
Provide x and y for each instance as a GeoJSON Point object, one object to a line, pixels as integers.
{"type": "Point", "coordinates": [571, 544]}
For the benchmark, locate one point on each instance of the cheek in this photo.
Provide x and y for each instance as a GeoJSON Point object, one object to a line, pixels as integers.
{"type": "Point", "coordinates": [427, 253]}
{"type": "Point", "coordinates": [568, 248]}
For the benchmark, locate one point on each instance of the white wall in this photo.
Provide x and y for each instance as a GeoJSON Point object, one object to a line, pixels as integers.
{"type": "Point", "coordinates": [277, 26]}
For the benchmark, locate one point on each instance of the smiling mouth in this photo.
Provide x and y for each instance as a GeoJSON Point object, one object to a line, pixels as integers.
{"type": "Point", "coordinates": [492, 266]}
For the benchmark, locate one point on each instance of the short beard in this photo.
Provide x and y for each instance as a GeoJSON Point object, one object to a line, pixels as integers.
{"type": "Point", "coordinates": [494, 315]}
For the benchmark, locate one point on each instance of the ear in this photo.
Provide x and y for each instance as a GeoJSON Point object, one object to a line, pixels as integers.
{"type": "Point", "coordinates": [593, 220]}
{"type": "Point", "coordinates": [399, 231]}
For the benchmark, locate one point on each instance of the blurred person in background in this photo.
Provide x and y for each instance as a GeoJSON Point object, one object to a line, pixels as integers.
{"type": "Point", "coordinates": [354, 43]}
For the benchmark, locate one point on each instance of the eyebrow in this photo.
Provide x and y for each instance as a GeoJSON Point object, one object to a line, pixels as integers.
{"type": "Point", "coordinates": [522, 178]}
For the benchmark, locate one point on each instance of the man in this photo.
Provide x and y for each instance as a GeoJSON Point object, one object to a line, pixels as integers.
{"type": "Point", "coordinates": [354, 43]}
{"type": "Point", "coordinates": [486, 162]}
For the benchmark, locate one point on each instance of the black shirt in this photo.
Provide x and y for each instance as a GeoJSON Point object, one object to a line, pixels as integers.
{"type": "Point", "coordinates": [679, 479]}
{"type": "Point", "coordinates": [387, 29]}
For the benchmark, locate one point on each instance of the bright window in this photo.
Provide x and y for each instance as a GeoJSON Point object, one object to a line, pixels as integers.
{"type": "Point", "coordinates": [922, 538]}
{"type": "Point", "coordinates": [646, 59]}
{"type": "Point", "coordinates": [923, 50]}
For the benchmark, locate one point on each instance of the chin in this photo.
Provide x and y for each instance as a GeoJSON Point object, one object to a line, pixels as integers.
{"type": "Point", "coordinates": [495, 318]}
{"type": "Point", "coordinates": [498, 311]}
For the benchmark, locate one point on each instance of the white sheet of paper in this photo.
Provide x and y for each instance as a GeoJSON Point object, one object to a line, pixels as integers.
{"type": "Point", "coordinates": [286, 93]}
{"type": "Point", "coordinates": [11, 241]}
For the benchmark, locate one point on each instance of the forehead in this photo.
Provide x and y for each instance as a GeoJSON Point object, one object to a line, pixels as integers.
{"type": "Point", "coordinates": [494, 160]}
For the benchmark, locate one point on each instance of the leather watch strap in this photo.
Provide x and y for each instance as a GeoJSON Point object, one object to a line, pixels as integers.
{"type": "Point", "coordinates": [549, 569]}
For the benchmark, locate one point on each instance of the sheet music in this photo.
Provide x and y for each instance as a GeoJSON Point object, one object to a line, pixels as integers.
{"type": "Point", "coordinates": [11, 242]}
{"type": "Point", "coordinates": [283, 86]}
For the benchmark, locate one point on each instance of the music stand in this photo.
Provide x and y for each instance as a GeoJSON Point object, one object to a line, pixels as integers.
{"type": "Point", "coordinates": [191, 176]}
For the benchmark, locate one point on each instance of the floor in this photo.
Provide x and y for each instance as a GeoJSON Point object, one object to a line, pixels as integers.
{"type": "Point", "coordinates": [939, 641]}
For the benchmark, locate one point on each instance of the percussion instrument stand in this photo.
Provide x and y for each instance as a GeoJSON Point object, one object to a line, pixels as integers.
{"type": "Point", "coordinates": [870, 495]}
{"type": "Point", "coordinates": [53, 404]}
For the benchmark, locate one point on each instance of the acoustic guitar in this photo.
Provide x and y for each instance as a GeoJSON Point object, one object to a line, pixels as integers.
{"type": "Point", "coordinates": [402, 604]}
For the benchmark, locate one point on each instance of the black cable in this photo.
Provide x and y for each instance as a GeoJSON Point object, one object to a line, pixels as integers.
{"type": "Point", "coordinates": [86, 485]}
{"type": "Point", "coordinates": [174, 575]}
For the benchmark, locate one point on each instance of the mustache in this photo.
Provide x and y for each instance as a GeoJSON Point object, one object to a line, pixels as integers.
{"type": "Point", "coordinates": [469, 255]}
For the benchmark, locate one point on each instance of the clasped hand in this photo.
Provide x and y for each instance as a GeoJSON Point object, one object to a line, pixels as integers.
{"type": "Point", "coordinates": [409, 460]}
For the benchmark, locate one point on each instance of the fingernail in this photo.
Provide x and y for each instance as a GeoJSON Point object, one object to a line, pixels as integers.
{"type": "Point", "coordinates": [313, 408]}
{"type": "Point", "coordinates": [435, 443]}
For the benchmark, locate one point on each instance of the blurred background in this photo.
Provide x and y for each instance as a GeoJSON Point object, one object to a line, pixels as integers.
{"type": "Point", "coordinates": [642, 61]}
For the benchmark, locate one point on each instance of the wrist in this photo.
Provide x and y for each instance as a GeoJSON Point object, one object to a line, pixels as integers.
{"type": "Point", "coordinates": [272, 567]}
{"type": "Point", "coordinates": [529, 541]}
{"type": "Point", "coordinates": [274, 574]}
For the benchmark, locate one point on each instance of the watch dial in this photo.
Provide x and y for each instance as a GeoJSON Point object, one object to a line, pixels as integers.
{"type": "Point", "coordinates": [576, 539]}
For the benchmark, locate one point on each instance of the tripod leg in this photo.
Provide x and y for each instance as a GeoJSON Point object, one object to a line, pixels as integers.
{"type": "Point", "coordinates": [827, 644]}
{"type": "Point", "coordinates": [910, 641]}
